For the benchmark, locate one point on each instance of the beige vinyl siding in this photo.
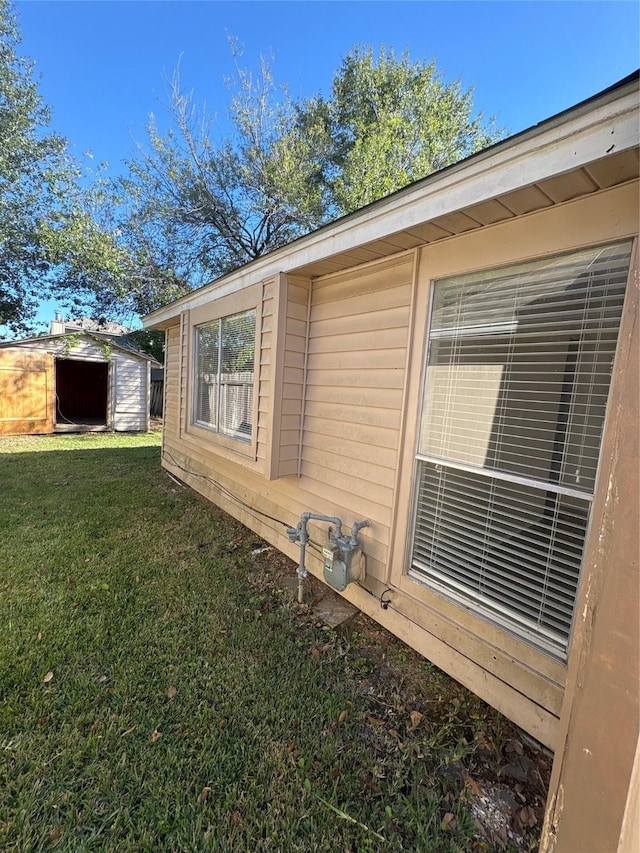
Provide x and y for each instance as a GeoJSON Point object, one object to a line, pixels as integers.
{"type": "Point", "coordinates": [264, 371]}
{"type": "Point", "coordinates": [367, 328]}
{"type": "Point", "coordinates": [185, 379]}
{"type": "Point", "coordinates": [286, 360]}
{"type": "Point", "coordinates": [171, 412]}
{"type": "Point", "coordinates": [294, 375]}
{"type": "Point", "coordinates": [358, 336]}
{"type": "Point", "coordinates": [351, 411]}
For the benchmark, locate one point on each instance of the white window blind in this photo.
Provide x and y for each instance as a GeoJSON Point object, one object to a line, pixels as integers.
{"type": "Point", "coordinates": [517, 379]}
{"type": "Point", "coordinates": [224, 363]}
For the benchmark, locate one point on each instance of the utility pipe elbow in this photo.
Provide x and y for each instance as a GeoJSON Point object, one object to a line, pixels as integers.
{"type": "Point", "coordinates": [358, 525]}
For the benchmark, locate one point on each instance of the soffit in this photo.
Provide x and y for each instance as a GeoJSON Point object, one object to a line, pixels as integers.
{"type": "Point", "coordinates": [602, 174]}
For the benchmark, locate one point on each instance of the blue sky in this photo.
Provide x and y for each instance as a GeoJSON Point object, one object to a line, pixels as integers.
{"type": "Point", "coordinates": [103, 65]}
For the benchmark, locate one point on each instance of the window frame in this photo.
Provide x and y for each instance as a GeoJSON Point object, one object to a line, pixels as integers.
{"type": "Point", "coordinates": [455, 629]}
{"type": "Point", "coordinates": [480, 589]}
{"type": "Point", "coordinates": [498, 613]}
{"type": "Point", "coordinates": [217, 426]}
{"type": "Point", "coordinates": [248, 299]}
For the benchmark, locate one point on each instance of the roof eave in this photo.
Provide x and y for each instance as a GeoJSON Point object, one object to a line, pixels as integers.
{"type": "Point", "coordinates": [604, 123]}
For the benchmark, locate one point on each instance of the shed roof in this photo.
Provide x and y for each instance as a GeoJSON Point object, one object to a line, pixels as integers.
{"type": "Point", "coordinates": [102, 340]}
{"type": "Point", "coordinates": [584, 149]}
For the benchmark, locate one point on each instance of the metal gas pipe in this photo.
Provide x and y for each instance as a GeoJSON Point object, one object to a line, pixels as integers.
{"type": "Point", "coordinates": [343, 559]}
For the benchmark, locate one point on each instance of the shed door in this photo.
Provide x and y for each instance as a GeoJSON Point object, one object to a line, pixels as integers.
{"type": "Point", "coordinates": [131, 406]}
{"type": "Point", "coordinates": [26, 392]}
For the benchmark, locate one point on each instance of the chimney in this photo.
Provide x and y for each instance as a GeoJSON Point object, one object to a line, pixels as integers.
{"type": "Point", "coordinates": [57, 325]}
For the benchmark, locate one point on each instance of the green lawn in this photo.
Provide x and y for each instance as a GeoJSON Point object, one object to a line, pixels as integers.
{"type": "Point", "coordinates": [160, 690]}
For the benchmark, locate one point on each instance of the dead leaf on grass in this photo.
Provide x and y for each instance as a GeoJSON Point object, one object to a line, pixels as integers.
{"type": "Point", "coordinates": [102, 678]}
{"type": "Point", "coordinates": [479, 827]}
{"type": "Point", "coordinates": [156, 735]}
{"type": "Point", "coordinates": [204, 793]}
{"type": "Point", "coordinates": [514, 745]}
{"type": "Point", "coordinates": [171, 692]}
{"type": "Point", "coordinates": [374, 720]}
{"type": "Point", "coordinates": [416, 717]}
{"type": "Point", "coordinates": [342, 717]}
{"type": "Point", "coordinates": [449, 821]}
{"type": "Point", "coordinates": [48, 677]}
{"type": "Point", "coordinates": [55, 834]}
{"type": "Point", "coordinates": [471, 783]}
{"type": "Point", "coordinates": [499, 837]}
{"type": "Point", "coordinates": [39, 637]}
{"type": "Point", "coordinates": [527, 817]}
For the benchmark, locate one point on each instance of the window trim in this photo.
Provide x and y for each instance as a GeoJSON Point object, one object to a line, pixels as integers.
{"type": "Point", "coordinates": [248, 299]}
{"type": "Point", "coordinates": [447, 586]}
{"type": "Point", "coordinates": [455, 628]}
{"type": "Point", "coordinates": [217, 428]}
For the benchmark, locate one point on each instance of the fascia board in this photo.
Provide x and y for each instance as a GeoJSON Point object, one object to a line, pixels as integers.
{"type": "Point", "coordinates": [560, 145]}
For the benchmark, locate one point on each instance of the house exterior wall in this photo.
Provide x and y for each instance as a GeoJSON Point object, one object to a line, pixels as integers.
{"type": "Point", "coordinates": [341, 369]}
{"type": "Point", "coordinates": [340, 438]}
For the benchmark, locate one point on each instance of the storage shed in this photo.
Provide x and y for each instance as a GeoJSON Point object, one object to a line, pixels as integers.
{"type": "Point", "coordinates": [457, 366]}
{"type": "Point", "coordinates": [71, 383]}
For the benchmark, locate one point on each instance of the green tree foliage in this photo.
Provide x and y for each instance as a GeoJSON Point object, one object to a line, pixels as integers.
{"type": "Point", "coordinates": [150, 342]}
{"type": "Point", "coordinates": [60, 227]}
{"type": "Point", "coordinates": [202, 197]}
{"type": "Point", "coordinates": [198, 208]}
{"type": "Point", "coordinates": [224, 203]}
{"type": "Point", "coordinates": [32, 168]}
{"type": "Point", "coordinates": [390, 121]}
{"type": "Point", "coordinates": [107, 263]}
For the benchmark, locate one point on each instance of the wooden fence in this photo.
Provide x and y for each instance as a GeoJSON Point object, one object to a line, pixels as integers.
{"type": "Point", "coordinates": [157, 393]}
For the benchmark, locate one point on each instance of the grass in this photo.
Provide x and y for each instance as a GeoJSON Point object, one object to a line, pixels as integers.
{"type": "Point", "coordinates": [160, 690]}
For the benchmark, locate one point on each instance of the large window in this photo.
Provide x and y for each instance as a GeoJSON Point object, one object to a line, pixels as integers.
{"type": "Point", "coordinates": [517, 379]}
{"type": "Point", "coordinates": [224, 365]}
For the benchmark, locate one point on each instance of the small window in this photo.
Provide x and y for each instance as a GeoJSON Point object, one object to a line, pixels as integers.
{"type": "Point", "coordinates": [517, 379]}
{"type": "Point", "coordinates": [224, 364]}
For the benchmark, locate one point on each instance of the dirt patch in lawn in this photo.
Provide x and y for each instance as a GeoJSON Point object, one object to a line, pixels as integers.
{"type": "Point", "coordinates": [493, 771]}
